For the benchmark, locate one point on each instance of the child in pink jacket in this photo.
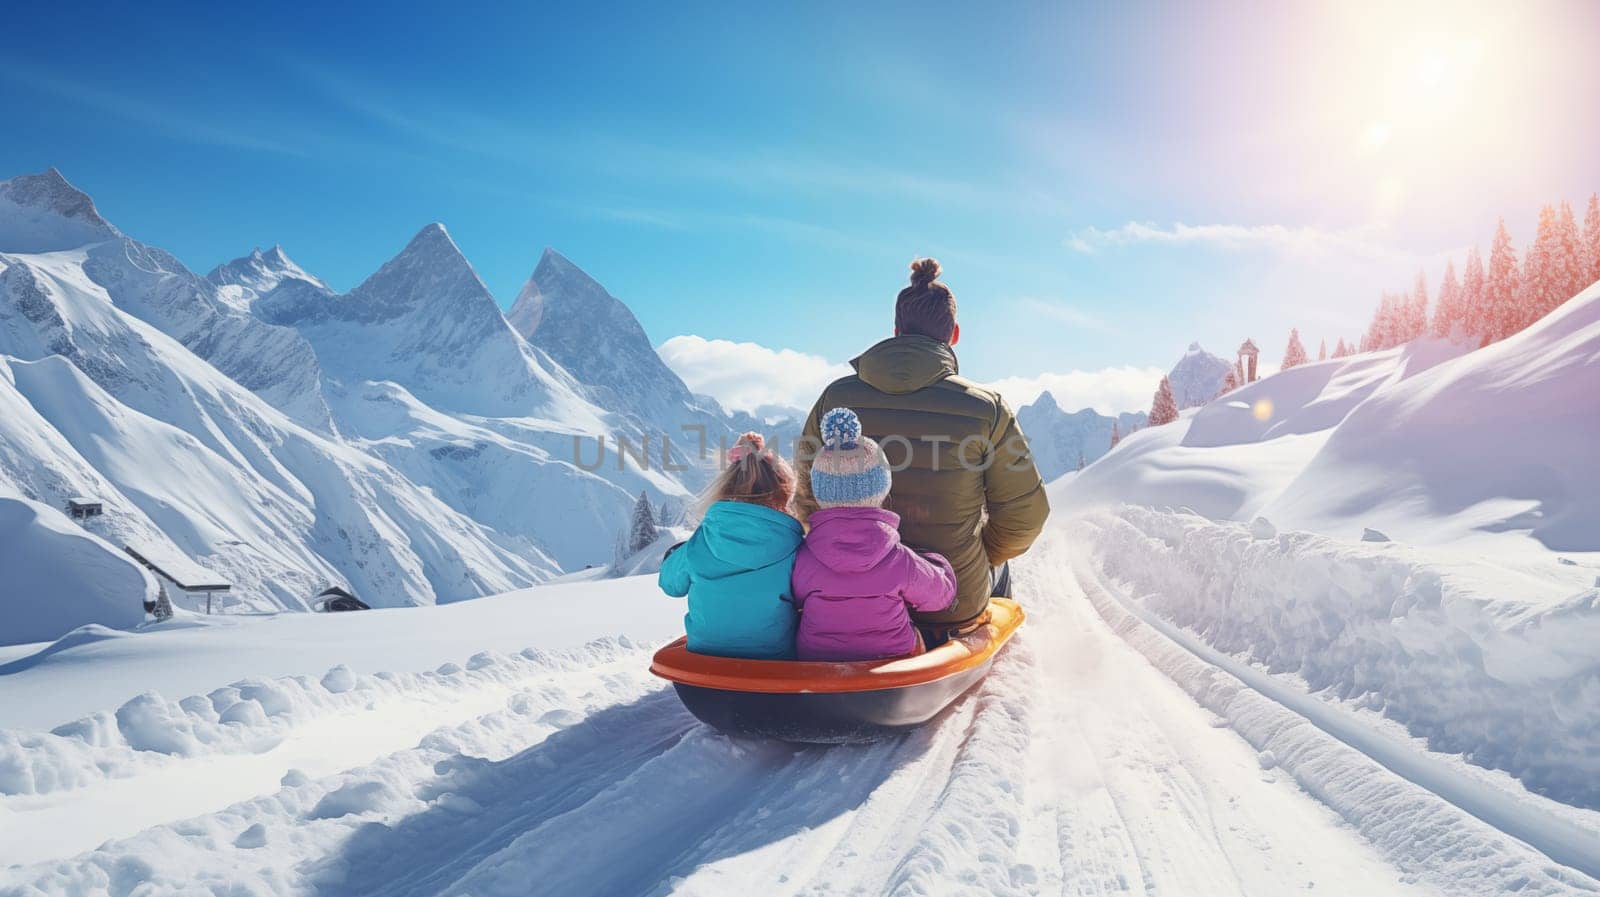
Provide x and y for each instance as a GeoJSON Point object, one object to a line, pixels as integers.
{"type": "Point", "coordinates": [854, 583]}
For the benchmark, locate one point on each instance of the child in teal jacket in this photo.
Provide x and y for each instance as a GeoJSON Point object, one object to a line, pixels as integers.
{"type": "Point", "coordinates": [735, 569]}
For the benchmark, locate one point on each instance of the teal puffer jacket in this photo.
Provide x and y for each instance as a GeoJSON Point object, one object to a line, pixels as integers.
{"type": "Point", "coordinates": [735, 570]}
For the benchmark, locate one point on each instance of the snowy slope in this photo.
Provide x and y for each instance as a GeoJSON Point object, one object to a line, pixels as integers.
{"type": "Point", "coordinates": [1059, 438]}
{"type": "Point", "coordinates": [452, 503]}
{"type": "Point", "coordinates": [1478, 627]}
{"type": "Point", "coordinates": [188, 459]}
{"type": "Point", "coordinates": [1076, 767]}
{"type": "Point", "coordinates": [59, 577]}
{"type": "Point", "coordinates": [1427, 442]}
{"type": "Point", "coordinates": [421, 369]}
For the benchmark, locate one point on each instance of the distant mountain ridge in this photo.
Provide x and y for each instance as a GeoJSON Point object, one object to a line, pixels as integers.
{"type": "Point", "coordinates": [401, 439]}
{"type": "Point", "coordinates": [1198, 376]}
{"type": "Point", "coordinates": [1059, 438]}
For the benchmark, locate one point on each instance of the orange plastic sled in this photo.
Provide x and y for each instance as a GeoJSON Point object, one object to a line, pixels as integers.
{"type": "Point", "coordinates": [833, 702]}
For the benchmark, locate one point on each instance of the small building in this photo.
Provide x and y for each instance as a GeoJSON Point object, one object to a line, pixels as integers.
{"type": "Point", "coordinates": [82, 507]}
{"type": "Point", "coordinates": [183, 573]}
{"type": "Point", "coordinates": [1248, 351]}
{"type": "Point", "coordinates": [336, 600]}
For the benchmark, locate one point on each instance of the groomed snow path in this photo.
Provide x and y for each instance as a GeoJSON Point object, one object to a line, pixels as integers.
{"type": "Point", "coordinates": [1080, 767]}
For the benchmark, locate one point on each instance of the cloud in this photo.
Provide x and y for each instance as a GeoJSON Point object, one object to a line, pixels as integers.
{"type": "Point", "coordinates": [152, 116]}
{"type": "Point", "coordinates": [743, 376]}
{"type": "Point", "coordinates": [1299, 241]}
{"type": "Point", "coordinates": [1107, 390]}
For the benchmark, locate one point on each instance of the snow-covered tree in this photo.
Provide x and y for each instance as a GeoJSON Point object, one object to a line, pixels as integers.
{"type": "Point", "coordinates": [1474, 308]}
{"type": "Point", "coordinates": [643, 530]}
{"type": "Point", "coordinates": [1116, 434]}
{"type": "Point", "coordinates": [1416, 309]}
{"type": "Point", "coordinates": [1541, 276]}
{"type": "Point", "coordinates": [1447, 311]}
{"type": "Point", "coordinates": [1500, 288]}
{"type": "Point", "coordinates": [1164, 408]}
{"type": "Point", "coordinates": [1230, 382]}
{"type": "Point", "coordinates": [1322, 350]}
{"type": "Point", "coordinates": [1341, 350]}
{"type": "Point", "coordinates": [1571, 257]}
{"type": "Point", "coordinates": [671, 512]}
{"type": "Point", "coordinates": [1295, 354]}
{"type": "Point", "coordinates": [1591, 241]}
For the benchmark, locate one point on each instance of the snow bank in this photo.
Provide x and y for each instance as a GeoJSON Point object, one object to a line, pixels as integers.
{"type": "Point", "coordinates": [1512, 684]}
{"type": "Point", "coordinates": [251, 715]}
{"type": "Point", "coordinates": [1417, 830]}
{"type": "Point", "coordinates": [59, 577]}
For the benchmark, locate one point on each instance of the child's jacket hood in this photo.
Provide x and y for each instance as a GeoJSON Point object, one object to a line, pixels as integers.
{"type": "Point", "coordinates": [737, 536]}
{"type": "Point", "coordinates": [853, 540]}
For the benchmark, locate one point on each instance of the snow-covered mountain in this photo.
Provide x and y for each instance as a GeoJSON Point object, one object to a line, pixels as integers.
{"type": "Point", "coordinates": [1197, 377]}
{"type": "Point", "coordinates": [1060, 438]}
{"type": "Point", "coordinates": [258, 274]}
{"type": "Point", "coordinates": [401, 439]}
{"type": "Point", "coordinates": [568, 315]}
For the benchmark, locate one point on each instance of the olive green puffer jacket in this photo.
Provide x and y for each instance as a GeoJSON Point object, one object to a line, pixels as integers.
{"type": "Point", "coordinates": [964, 481]}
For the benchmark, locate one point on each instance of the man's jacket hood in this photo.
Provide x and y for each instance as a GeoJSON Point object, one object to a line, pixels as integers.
{"type": "Point", "coordinates": [905, 364]}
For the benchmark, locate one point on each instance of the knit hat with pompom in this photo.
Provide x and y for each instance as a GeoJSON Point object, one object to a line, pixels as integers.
{"type": "Point", "coordinates": [849, 470]}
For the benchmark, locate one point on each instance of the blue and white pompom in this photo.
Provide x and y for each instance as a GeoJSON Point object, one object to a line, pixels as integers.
{"type": "Point", "coordinates": [841, 429]}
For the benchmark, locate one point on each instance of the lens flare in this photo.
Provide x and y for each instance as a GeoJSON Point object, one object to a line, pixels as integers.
{"type": "Point", "coordinates": [1262, 410]}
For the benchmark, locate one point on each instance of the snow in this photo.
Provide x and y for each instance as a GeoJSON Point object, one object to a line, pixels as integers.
{"type": "Point", "coordinates": [255, 424]}
{"type": "Point", "coordinates": [1377, 441]}
{"type": "Point", "coordinates": [59, 577]}
{"type": "Point", "coordinates": [1478, 671]}
{"type": "Point", "coordinates": [1074, 766]}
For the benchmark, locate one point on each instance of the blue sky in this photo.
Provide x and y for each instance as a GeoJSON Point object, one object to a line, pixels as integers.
{"type": "Point", "coordinates": [1104, 183]}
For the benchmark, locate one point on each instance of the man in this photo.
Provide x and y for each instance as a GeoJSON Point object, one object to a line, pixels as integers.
{"type": "Point", "coordinates": [965, 484]}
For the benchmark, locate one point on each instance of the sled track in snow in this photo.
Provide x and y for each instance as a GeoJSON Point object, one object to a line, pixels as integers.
{"type": "Point", "coordinates": [1558, 838]}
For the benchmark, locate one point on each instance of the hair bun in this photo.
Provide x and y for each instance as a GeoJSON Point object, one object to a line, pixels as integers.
{"type": "Point", "coordinates": [753, 439]}
{"type": "Point", "coordinates": [924, 271]}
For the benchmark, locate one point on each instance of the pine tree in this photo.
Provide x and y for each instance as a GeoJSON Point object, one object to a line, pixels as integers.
{"type": "Point", "coordinates": [1295, 354]}
{"type": "Point", "coordinates": [1447, 312]}
{"type": "Point", "coordinates": [643, 532]}
{"type": "Point", "coordinates": [1474, 311]}
{"type": "Point", "coordinates": [1230, 382]}
{"type": "Point", "coordinates": [1416, 313]}
{"type": "Point", "coordinates": [1322, 350]}
{"type": "Point", "coordinates": [1571, 259]}
{"type": "Point", "coordinates": [1539, 274]}
{"type": "Point", "coordinates": [1164, 409]}
{"type": "Point", "coordinates": [1500, 288]}
{"type": "Point", "coordinates": [1116, 434]}
{"type": "Point", "coordinates": [1081, 463]}
{"type": "Point", "coordinates": [1341, 350]}
{"type": "Point", "coordinates": [1591, 242]}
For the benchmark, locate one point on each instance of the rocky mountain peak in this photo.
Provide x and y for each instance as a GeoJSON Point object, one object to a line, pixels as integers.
{"type": "Point", "coordinates": [44, 213]}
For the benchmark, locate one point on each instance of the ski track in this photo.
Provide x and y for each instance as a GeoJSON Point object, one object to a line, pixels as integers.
{"type": "Point", "coordinates": [1076, 768]}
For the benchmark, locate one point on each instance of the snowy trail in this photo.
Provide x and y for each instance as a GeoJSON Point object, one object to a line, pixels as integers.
{"type": "Point", "coordinates": [1076, 768]}
{"type": "Point", "coordinates": [1563, 840]}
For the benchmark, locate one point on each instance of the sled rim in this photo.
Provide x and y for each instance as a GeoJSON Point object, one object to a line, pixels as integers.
{"type": "Point", "coordinates": [677, 664]}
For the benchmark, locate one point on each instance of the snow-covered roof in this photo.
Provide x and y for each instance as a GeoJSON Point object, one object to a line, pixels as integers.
{"type": "Point", "coordinates": [178, 570]}
{"type": "Point", "coordinates": [1249, 348]}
